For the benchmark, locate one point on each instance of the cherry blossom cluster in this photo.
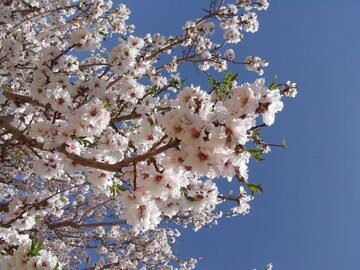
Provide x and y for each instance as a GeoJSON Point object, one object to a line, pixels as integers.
{"type": "Point", "coordinates": [107, 149]}
{"type": "Point", "coordinates": [27, 255]}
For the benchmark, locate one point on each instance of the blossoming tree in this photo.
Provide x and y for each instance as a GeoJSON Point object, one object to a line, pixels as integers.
{"type": "Point", "coordinates": [109, 149]}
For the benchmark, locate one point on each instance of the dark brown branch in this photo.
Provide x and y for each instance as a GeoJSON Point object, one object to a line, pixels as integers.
{"type": "Point", "coordinates": [135, 176]}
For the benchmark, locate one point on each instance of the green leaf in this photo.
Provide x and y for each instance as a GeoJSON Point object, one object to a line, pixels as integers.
{"type": "Point", "coordinates": [256, 153]}
{"type": "Point", "coordinates": [235, 76]}
{"type": "Point", "coordinates": [191, 29]}
{"type": "Point", "coordinates": [184, 191]}
{"type": "Point", "coordinates": [107, 104]}
{"type": "Point", "coordinates": [228, 78]}
{"type": "Point", "coordinates": [120, 187]}
{"type": "Point", "coordinates": [257, 132]}
{"type": "Point", "coordinates": [35, 248]}
{"type": "Point", "coordinates": [37, 219]}
{"type": "Point", "coordinates": [132, 127]}
{"type": "Point", "coordinates": [224, 87]}
{"type": "Point", "coordinates": [176, 83]}
{"type": "Point", "coordinates": [112, 191]}
{"type": "Point", "coordinates": [116, 188]}
{"type": "Point", "coordinates": [153, 90]}
{"type": "Point", "coordinates": [275, 86]}
{"type": "Point", "coordinates": [212, 81]}
{"type": "Point", "coordinates": [255, 188]}
{"type": "Point", "coordinates": [6, 86]}
{"type": "Point", "coordinates": [18, 157]}
{"type": "Point", "coordinates": [273, 81]}
{"type": "Point", "coordinates": [222, 90]}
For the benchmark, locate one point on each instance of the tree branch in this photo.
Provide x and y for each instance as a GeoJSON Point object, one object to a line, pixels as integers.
{"type": "Point", "coordinates": [23, 99]}
{"type": "Point", "coordinates": [18, 135]}
{"type": "Point", "coordinates": [82, 225]}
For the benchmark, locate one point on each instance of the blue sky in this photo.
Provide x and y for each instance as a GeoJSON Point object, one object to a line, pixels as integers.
{"type": "Point", "coordinates": [308, 217]}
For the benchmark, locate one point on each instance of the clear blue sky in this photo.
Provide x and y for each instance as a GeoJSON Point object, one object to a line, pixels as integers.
{"type": "Point", "coordinates": [308, 217]}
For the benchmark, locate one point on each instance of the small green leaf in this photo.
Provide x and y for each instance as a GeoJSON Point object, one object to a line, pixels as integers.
{"type": "Point", "coordinates": [224, 87]}
{"type": "Point", "coordinates": [120, 187]}
{"type": "Point", "coordinates": [184, 191]}
{"type": "Point", "coordinates": [63, 200]}
{"type": "Point", "coordinates": [212, 81]}
{"type": "Point", "coordinates": [132, 127]}
{"type": "Point", "coordinates": [176, 83]}
{"type": "Point", "coordinates": [153, 90]}
{"type": "Point", "coordinates": [6, 86]}
{"type": "Point", "coordinates": [18, 157]}
{"type": "Point", "coordinates": [273, 81]}
{"type": "Point", "coordinates": [112, 191]}
{"type": "Point", "coordinates": [37, 219]}
{"type": "Point", "coordinates": [256, 153]}
{"type": "Point", "coordinates": [222, 90]}
{"type": "Point", "coordinates": [257, 132]}
{"type": "Point", "coordinates": [116, 188]}
{"type": "Point", "coordinates": [235, 77]}
{"type": "Point", "coordinates": [191, 29]}
{"type": "Point", "coordinates": [107, 104]}
{"type": "Point", "coordinates": [275, 86]}
{"type": "Point", "coordinates": [35, 248]}
{"type": "Point", "coordinates": [255, 188]}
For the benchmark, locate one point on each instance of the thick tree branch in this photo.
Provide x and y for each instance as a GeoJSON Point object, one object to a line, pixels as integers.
{"type": "Point", "coordinates": [5, 122]}
{"type": "Point", "coordinates": [23, 99]}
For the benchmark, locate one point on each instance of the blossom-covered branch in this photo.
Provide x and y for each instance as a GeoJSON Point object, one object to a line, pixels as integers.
{"type": "Point", "coordinates": [101, 149]}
